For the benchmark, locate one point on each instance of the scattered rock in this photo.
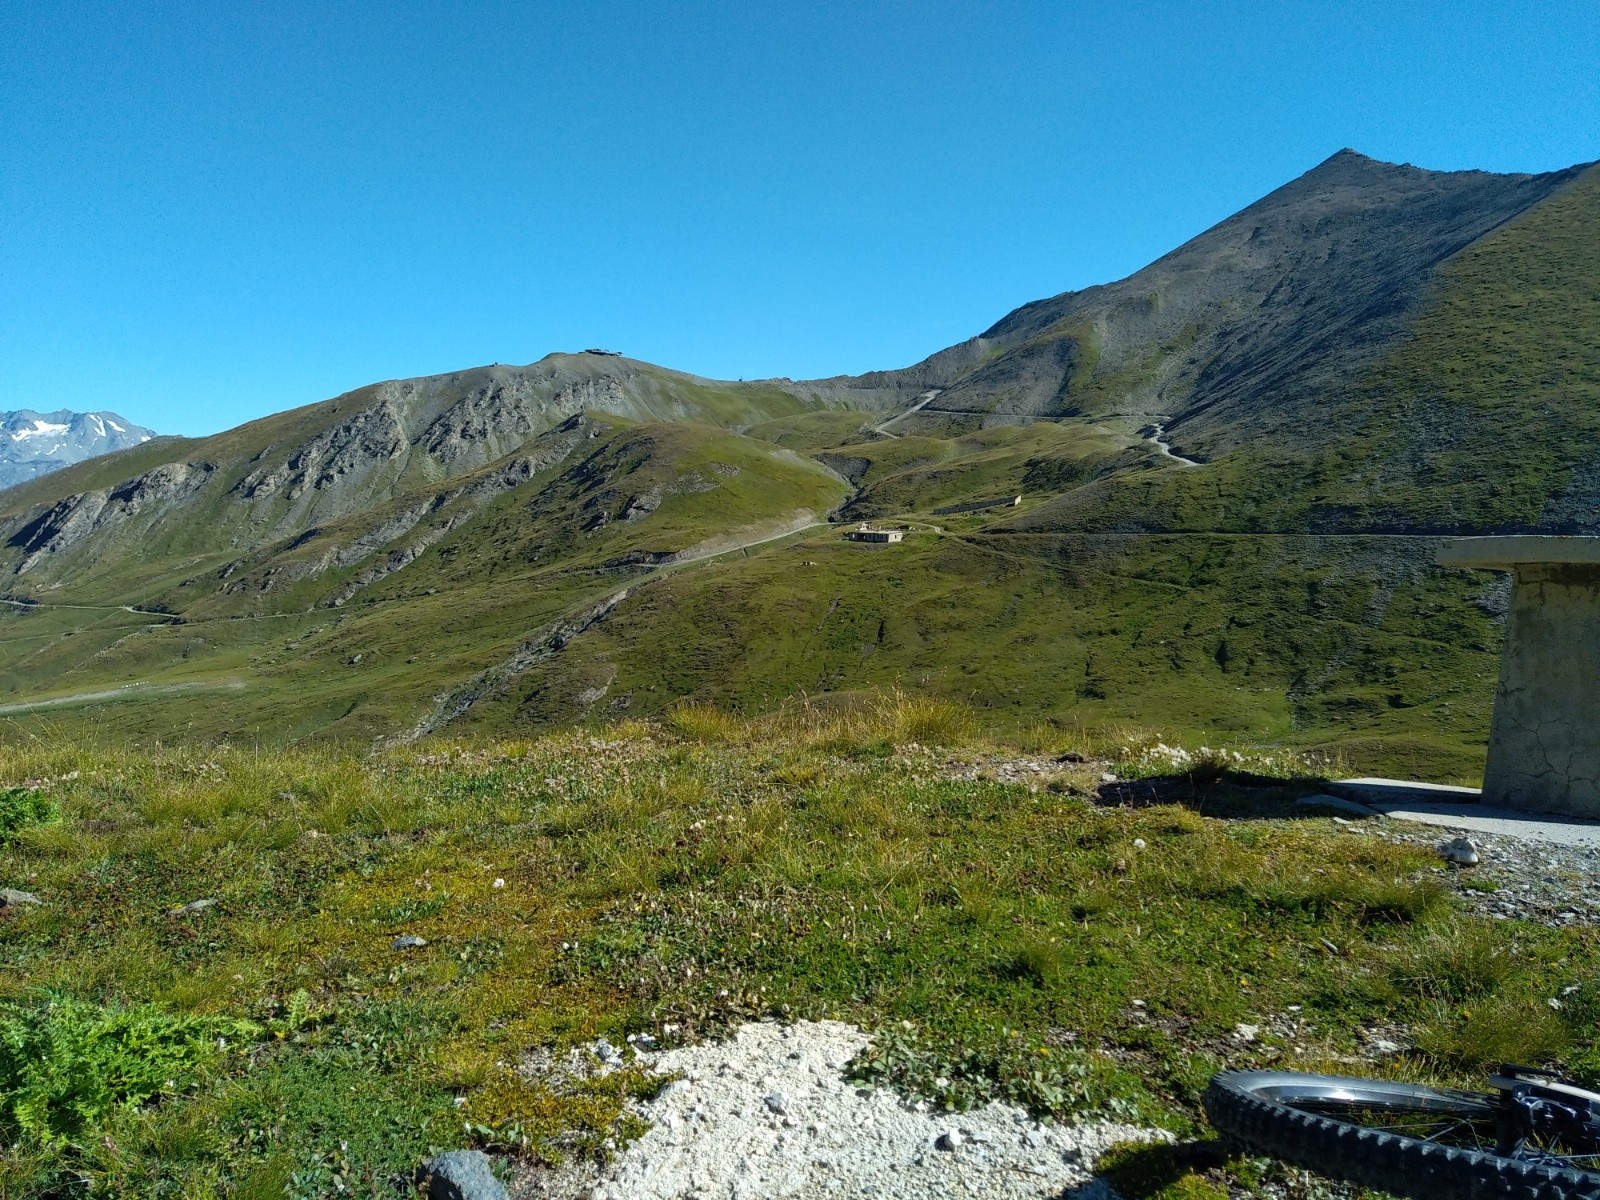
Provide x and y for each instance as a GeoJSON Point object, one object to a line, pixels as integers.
{"type": "Point", "coordinates": [1246, 1033]}
{"type": "Point", "coordinates": [461, 1175]}
{"type": "Point", "coordinates": [498, 884]}
{"type": "Point", "coordinates": [1517, 878]}
{"type": "Point", "coordinates": [409, 941]}
{"type": "Point", "coordinates": [777, 1102]}
{"type": "Point", "coordinates": [193, 906]}
{"type": "Point", "coordinates": [1460, 851]}
{"type": "Point", "coordinates": [12, 898]}
{"type": "Point", "coordinates": [714, 1133]}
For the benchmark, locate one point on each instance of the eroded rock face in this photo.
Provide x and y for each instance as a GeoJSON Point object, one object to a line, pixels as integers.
{"type": "Point", "coordinates": [396, 541]}
{"type": "Point", "coordinates": [70, 521]}
{"type": "Point", "coordinates": [500, 416]}
{"type": "Point", "coordinates": [375, 433]}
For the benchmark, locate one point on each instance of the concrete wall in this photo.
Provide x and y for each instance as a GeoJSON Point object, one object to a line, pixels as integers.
{"type": "Point", "coordinates": [1544, 743]}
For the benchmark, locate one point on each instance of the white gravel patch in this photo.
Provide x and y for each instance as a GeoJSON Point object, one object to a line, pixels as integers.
{"type": "Point", "coordinates": [769, 1113]}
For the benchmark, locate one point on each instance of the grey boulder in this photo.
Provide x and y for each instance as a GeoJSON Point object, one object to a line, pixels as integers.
{"type": "Point", "coordinates": [461, 1175]}
{"type": "Point", "coordinates": [1460, 851]}
{"type": "Point", "coordinates": [12, 898]}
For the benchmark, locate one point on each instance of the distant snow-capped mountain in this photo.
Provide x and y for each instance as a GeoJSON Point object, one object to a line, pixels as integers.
{"type": "Point", "coordinates": [34, 444]}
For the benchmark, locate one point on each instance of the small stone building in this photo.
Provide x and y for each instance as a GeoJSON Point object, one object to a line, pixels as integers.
{"type": "Point", "coordinates": [864, 534]}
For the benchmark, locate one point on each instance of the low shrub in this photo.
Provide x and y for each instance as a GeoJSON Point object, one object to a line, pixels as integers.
{"type": "Point", "coordinates": [1048, 1081]}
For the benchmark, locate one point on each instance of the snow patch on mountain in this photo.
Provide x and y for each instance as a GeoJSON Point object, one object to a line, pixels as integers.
{"type": "Point", "coordinates": [34, 444]}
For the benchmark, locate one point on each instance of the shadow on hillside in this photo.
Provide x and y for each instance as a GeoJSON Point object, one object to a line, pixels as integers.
{"type": "Point", "coordinates": [1219, 793]}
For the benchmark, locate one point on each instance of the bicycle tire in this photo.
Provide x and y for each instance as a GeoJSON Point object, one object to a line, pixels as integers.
{"type": "Point", "coordinates": [1255, 1109]}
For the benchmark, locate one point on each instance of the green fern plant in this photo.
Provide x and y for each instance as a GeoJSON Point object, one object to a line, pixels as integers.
{"type": "Point", "coordinates": [66, 1064]}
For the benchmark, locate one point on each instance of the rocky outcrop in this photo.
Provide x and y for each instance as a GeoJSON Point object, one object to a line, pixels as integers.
{"type": "Point", "coordinates": [375, 433]}
{"type": "Point", "coordinates": [72, 520]}
{"type": "Point", "coordinates": [504, 414]}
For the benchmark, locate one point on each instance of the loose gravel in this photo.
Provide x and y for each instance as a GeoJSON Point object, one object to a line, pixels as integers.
{"type": "Point", "coordinates": [769, 1113]}
{"type": "Point", "coordinates": [1552, 884]}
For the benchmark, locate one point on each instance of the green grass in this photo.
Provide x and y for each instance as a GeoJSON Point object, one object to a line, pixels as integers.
{"type": "Point", "coordinates": [809, 864]}
{"type": "Point", "coordinates": [1346, 646]}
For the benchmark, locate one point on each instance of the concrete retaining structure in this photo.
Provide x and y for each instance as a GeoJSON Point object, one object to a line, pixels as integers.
{"type": "Point", "coordinates": [1544, 740]}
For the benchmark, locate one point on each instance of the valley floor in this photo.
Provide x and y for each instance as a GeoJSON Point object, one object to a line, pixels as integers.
{"type": "Point", "coordinates": [296, 973]}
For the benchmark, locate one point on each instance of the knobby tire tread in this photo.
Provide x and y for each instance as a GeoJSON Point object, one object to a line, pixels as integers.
{"type": "Point", "coordinates": [1390, 1162]}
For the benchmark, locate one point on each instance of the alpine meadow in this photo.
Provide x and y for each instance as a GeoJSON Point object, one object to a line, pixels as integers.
{"type": "Point", "coordinates": [588, 779]}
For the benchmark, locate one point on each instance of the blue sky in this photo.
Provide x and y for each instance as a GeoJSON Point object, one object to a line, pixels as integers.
{"type": "Point", "coordinates": [209, 212]}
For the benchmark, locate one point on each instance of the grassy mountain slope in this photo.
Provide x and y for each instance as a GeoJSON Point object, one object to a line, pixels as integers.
{"type": "Point", "coordinates": [1367, 358]}
{"type": "Point", "coordinates": [1485, 417]}
{"type": "Point", "coordinates": [1249, 328]}
{"type": "Point", "coordinates": [1321, 643]}
{"type": "Point", "coordinates": [297, 642]}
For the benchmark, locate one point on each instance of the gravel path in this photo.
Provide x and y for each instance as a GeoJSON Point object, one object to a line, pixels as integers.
{"type": "Point", "coordinates": [769, 1113]}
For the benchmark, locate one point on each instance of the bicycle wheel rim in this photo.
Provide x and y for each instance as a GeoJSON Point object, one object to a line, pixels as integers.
{"type": "Point", "coordinates": [1296, 1117]}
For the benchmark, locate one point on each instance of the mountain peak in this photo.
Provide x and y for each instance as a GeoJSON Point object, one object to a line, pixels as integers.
{"type": "Point", "coordinates": [34, 443]}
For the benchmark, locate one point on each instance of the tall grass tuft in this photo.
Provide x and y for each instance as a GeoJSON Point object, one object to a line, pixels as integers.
{"type": "Point", "coordinates": [929, 721]}
{"type": "Point", "coordinates": [1458, 962]}
{"type": "Point", "coordinates": [1504, 1027]}
{"type": "Point", "coordinates": [706, 723]}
